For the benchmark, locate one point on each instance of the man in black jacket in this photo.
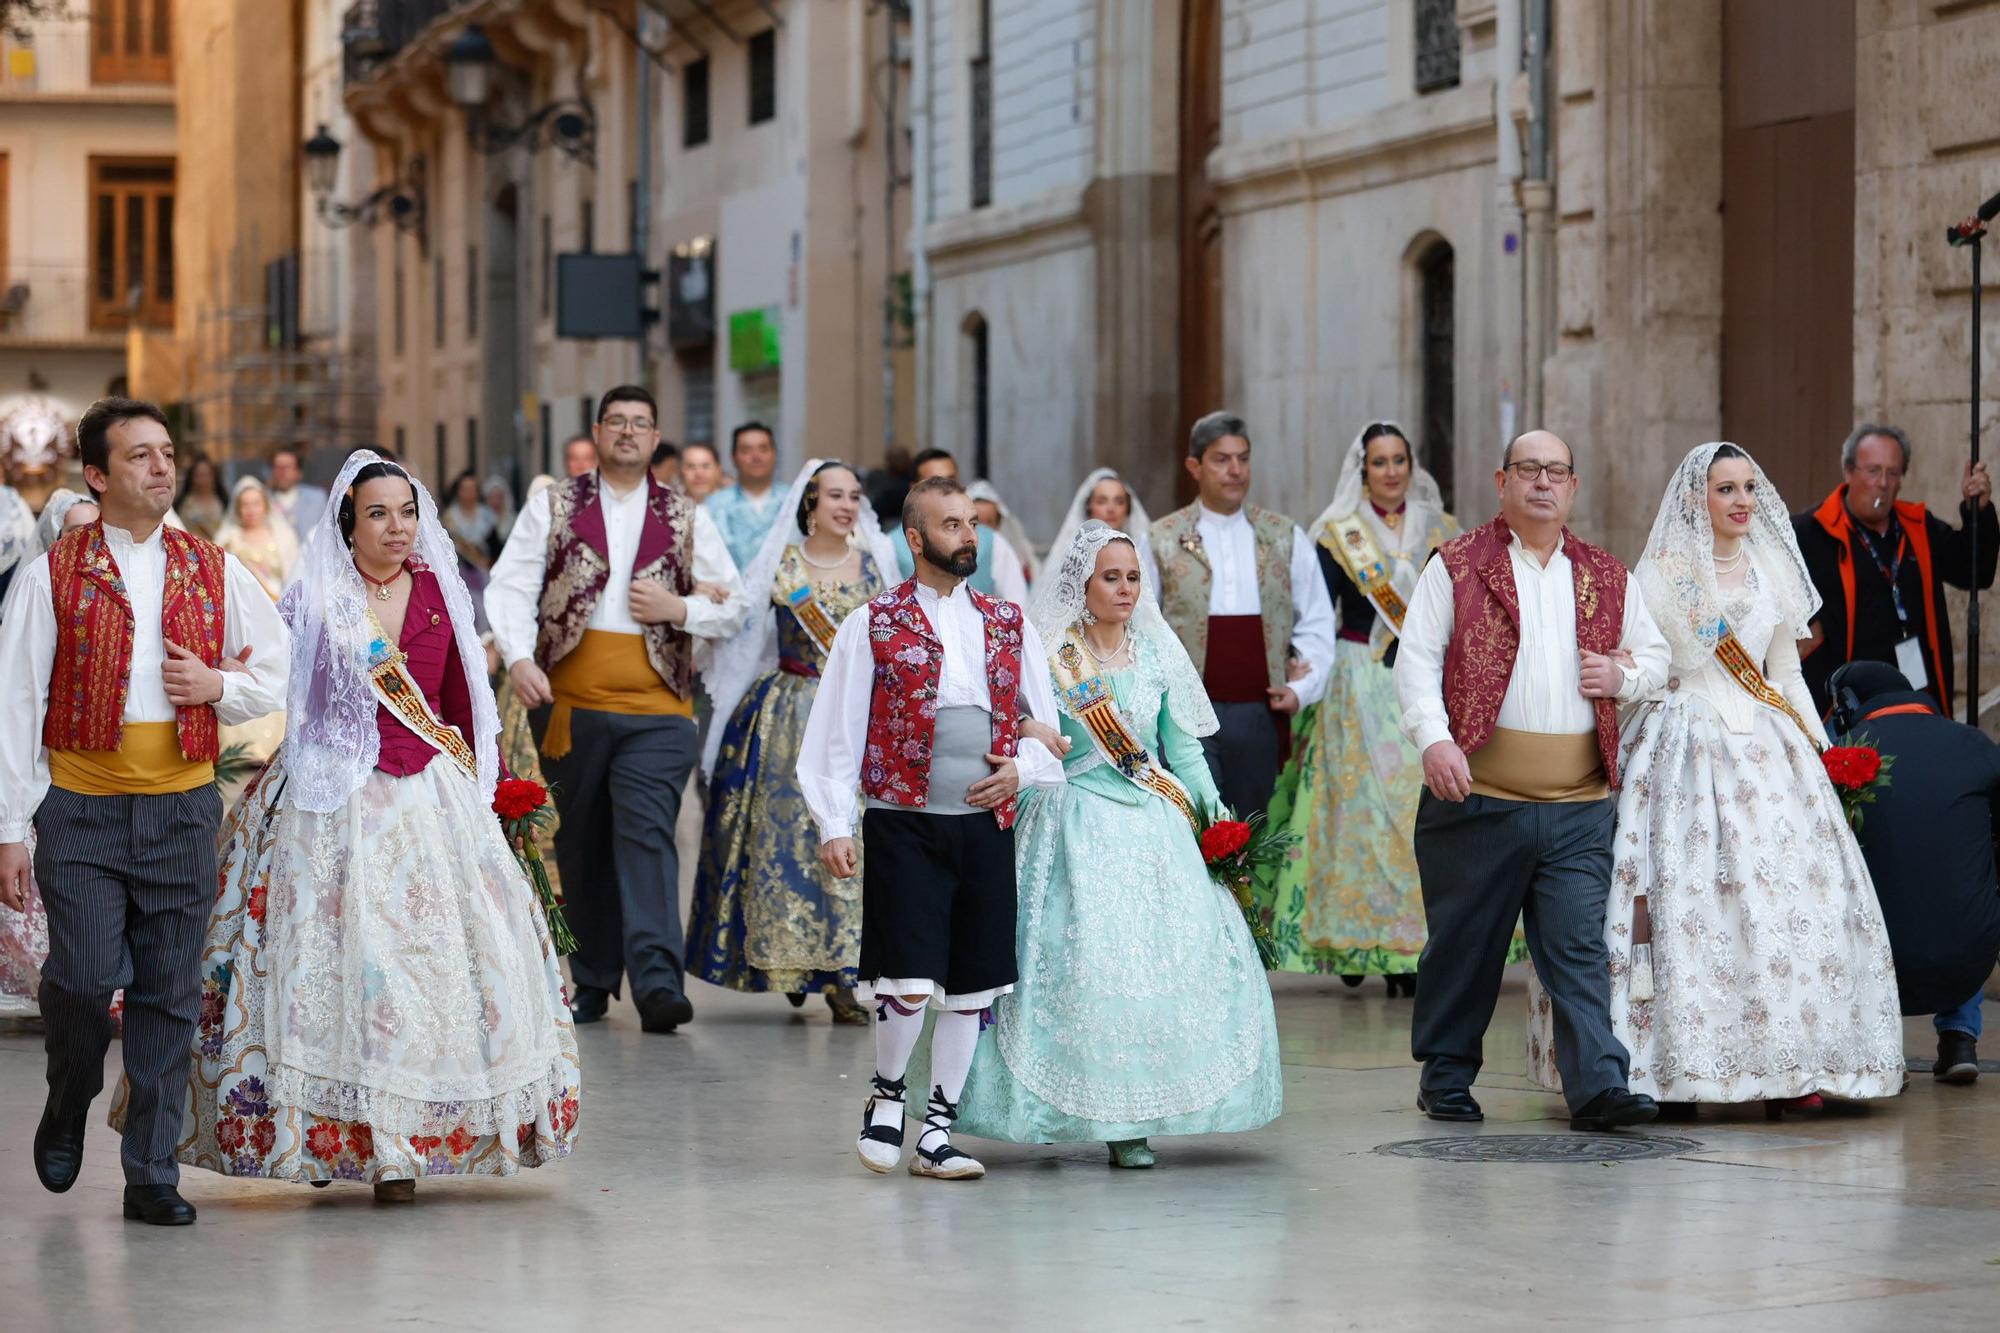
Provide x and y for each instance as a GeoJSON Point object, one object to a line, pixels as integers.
{"type": "Point", "coordinates": [1928, 839]}
{"type": "Point", "coordinates": [1881, 563]}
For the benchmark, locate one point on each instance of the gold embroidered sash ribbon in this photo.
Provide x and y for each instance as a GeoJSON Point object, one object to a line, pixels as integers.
{"type": "Point", "coordinates": [1087, 696]}
{"type": "Point", "coordinates": [1350, 543]}
{"type": "Point", "coordinates": [389, 675]}
{"type": "Point", "coordinates": [1735, 659]}
{"type": "Point", "coordinates": [812, 617]}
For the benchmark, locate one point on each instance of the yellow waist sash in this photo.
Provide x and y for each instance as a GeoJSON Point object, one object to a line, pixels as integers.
{"type": "Point", "coordinates": [607, 673]}
{"type": "Point", "coordinates": [1539, 766]}
{"type": "Point", "coordinates": [147, 762]}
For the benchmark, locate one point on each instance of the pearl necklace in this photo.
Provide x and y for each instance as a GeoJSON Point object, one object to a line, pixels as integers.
{"type": "Point", "coordinates": [1729, 564]}
{"type": "Point", "coordinates": [806, 556]}
{"type": "Point", "coordinates": [1124, 635]}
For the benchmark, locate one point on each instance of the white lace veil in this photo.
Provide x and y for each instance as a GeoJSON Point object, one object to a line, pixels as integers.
{"type": "Point", "coordinates": [1352, 488]}
{"type": "Point", "coordinates": [331, 743]}
{"type": "Point", "coordinates": [1677, 572]}
{"type": "Point", "coordinates": [1015, 531]}
{"type": "Point", "coordinates": [1137, 523]}
{"type": "Point", "coordinates": [741, 660]}
{"type": "Point", "coordinates": [1059, 601]}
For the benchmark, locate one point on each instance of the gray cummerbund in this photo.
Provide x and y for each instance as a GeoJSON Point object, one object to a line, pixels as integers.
{"type": "Point", "coordinates": [958, 759]}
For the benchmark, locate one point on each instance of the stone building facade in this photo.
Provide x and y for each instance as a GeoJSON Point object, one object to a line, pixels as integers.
{"type": "Point", "coordinates": [1642, 223]}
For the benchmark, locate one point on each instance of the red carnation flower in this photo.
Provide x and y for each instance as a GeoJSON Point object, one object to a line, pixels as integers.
{"type": "Point", "coordinates": [1852, 767]}
{"type": "Point", "coordinates": [517, 798]}
{"type": "Point", "coordinates": [1224, 838]}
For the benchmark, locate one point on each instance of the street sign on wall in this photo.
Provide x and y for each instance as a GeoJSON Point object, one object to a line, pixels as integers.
{"type": "Point", "coordinates": [753, 340]}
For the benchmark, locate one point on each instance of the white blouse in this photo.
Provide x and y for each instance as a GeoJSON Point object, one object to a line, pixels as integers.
{"type": "Point", "coordinates": [837, 731]}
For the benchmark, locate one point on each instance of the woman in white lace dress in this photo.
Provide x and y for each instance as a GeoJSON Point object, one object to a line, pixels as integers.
{"type": "Point", "coordinates": [1749, 961]}
{"type": "Point", "coordinates": [380, 999]}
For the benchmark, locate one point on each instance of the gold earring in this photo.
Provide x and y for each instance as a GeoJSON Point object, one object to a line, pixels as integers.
{"type": "Point", "coordinates": [812, 525]}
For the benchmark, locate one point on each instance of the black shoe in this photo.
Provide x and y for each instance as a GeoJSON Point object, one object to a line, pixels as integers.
{"type": "Point", "coordinates": [663, 1011]}
{"type": "Point", "coordinates": [589, 1004]}
{"type": "Point", "coordinates": [1403, 984]}
{"type": "Point", "coordinates": [1957, 1058]}
{"type": "Point", "coordinates": [1351, 980]}
{"type": "Point", "coordinates": [157, 1206]}
{"type": "Point", "coordinates": [58, 1151]}
{"type": "Point", "coordinates": [1683, 1113]}
{"type": "Point", "coordinates": [796, 999]}
{"type": "Point", "coordinates": [1449, 1104]}
{"type": "Point", "coordinates": [1615, 1108]}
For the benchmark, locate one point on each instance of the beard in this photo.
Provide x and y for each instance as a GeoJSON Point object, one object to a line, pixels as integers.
{"type": "Point", "coordinates": [960, 564]}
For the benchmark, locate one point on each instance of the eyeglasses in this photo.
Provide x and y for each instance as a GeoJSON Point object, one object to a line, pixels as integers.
{"type": "Point", "coordinates": [619, 425]}
{"type": "Point", "coordinates": [1530, 471]}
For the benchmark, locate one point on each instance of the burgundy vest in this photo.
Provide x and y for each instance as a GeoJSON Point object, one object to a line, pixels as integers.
{"type": "Point", "coordinates": [578, 568]}
{"type": "Point", "coordinates": [902, 711]}
{"type": "Point", "coordinates": [1486, 638]}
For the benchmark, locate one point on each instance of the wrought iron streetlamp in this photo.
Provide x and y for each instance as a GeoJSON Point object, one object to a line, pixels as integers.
{"type": "Point", "coordinates": [401, 202]}
{"type": "Point", "coordinates": [568, 124]}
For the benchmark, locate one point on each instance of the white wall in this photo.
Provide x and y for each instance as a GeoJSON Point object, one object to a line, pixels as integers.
{"type": "Point", "coordinates": [1291, 64]}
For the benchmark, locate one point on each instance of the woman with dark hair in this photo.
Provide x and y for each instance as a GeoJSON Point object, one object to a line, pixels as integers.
{"type": "Point", "coordinates": [1349, 902]}
{"type": "Point", "coordinates": [767, 916]}
{"type": "Point", "coordinates": [380, 996]}
{"type": "Point", "coordinates": [1748, 955]}
{"type": "Point", "coordinates": [203, 503]}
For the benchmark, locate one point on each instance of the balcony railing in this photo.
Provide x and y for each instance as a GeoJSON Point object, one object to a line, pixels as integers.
{"type": "Point", "coordinates": [48, 304]}
{"type": "Point", "coordinates": [374, 32]}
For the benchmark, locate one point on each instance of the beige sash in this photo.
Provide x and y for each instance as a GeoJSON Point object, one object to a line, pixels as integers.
{"type": "Point", "coordinates": [1087, 696]}
{"type": "Point", "coordinates": [390, 678]}
{"type": "Point", "coordinates": [1735, 659]}
{"type": "Point", "coordinates": [1353, 545]}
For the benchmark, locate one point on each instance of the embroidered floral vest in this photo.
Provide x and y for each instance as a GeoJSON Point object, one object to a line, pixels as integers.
{"type": "Point", "coordinates": [578, 568]}
{"type": "Point", "coordinates": [902, 711]}
{"type": "Point", "coordinates": [1185, 576]}
{"type": "Point", "coordinates": [1486, 608]}
{"type": "Point", "coordinates": [93, 666]}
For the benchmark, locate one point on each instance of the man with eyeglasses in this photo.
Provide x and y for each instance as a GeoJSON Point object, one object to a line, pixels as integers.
{"type": "Point", "coordinates": [1518, 645]}
{"type": "Point", "coordinates": [595, 609]}
{"type": "Point", "coordinates": [1880, 564]}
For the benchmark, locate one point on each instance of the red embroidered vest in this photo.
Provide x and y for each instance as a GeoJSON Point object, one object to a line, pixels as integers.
{"type": "Point", "coordinates": [93, 666]}
{"type": "Point", "coordinates": [1487, 615]}
{"type": "Point", "coordinates": [902, 712]}
{"type": "Point", "coordinates": [579, 566]}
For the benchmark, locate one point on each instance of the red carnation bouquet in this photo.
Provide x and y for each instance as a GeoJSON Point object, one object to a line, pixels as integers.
{"type": "Point", "coordinates": [1857, 773]}
{"type": "Point", "coordinates": [523, 808]}
{"type": "Point", "coordinates": [1237, 852]}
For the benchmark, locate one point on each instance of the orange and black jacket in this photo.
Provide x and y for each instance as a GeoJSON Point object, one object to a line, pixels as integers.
{"type": "Point", "coordinates": [1857, 616]}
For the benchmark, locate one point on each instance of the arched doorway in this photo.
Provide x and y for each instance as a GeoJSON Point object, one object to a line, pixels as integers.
{"type": "Point", "coordinates": [1437, 348]}
{"type": "Point", "coordinates": [978, 380]}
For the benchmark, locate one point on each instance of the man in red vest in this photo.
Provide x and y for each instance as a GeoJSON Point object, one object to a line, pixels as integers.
{"type": "Point", "coordinates": [1518, 642]}
{"type": "Point", "coordinates": [119, 659]}
{"type": "Point", "coordinates": [1880, 564]}
{"type": "Point", "coordinates": [921, 706]}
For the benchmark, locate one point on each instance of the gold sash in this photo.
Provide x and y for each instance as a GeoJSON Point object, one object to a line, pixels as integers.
{"type": "Point", "coordinates": [147, 762]}
{"type": "Point", "coordinates": [1351, 543]}
{"type": "Point", "coordinates": [812, 617]}
{"type": "Point", "coordinates": [1735, 659]}
{"type": "Point", "coordinates": [390, 677]}
{"type": "Point", "coordinates": [1087, 696]}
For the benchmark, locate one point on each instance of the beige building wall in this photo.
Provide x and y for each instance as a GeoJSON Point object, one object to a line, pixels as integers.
{"type": "Point", "coordinates": [54, 117]}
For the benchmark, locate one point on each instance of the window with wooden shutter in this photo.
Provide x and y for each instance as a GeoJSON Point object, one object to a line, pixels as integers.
{"type": "Point", "coordinates": [131, 41]}
{"type": "Point", "coordinates": [131, 242]}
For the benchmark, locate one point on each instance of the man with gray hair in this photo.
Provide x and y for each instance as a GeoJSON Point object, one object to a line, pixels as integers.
{"type": "Point", "coordinates": [1880, 564]}
{"type": "Point", "coordinates": [1242, 589]}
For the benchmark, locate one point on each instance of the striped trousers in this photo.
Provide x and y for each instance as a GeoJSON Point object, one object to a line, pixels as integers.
{"type": "Point", "coordinates": [128, 882]}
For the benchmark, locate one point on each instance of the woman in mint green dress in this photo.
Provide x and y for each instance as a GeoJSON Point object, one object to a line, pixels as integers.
{"type": "Point", "coordinates": [1141, 1009]}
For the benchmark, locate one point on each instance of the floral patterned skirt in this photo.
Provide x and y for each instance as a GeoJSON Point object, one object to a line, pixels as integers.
{"type": "Point", "coordinates": [1771, 971]}
{"type": "Point", "coordinates": [380, 999]}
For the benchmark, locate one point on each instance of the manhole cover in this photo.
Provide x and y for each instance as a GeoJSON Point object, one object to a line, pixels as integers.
{"type": "Point", "coordinates": [1541, 1148]}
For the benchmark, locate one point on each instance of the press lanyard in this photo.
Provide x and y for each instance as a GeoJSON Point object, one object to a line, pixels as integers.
{"type": "Point", "coordinates": [1891, 571]}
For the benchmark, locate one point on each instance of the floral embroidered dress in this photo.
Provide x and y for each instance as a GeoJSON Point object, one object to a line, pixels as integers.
{"type": "Point", "coordinates": [1142, 1008]}
{"type": "Point", "coordinates": [380, 999]}
{"type": "Point", "coordinates": [766, 915]}
{"type": "Point", "coordinates": [1770, 975]}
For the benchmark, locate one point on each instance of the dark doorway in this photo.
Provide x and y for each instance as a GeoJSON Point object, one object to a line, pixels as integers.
{"type": "Point", "coordinates": [1788, 239]}
{"type": "Point", "coordinates": [1437, 432]}
{"type": "Point", "coordinates": [1200, 227]}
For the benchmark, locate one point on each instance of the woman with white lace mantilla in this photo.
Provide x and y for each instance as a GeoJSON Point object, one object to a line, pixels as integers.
{"type": "Point", "coordinates": [380, 997]}
{"type": "Point", "coordinates": [1142, 1008]}
{"type": "Point", "coordinates": [1749, 960]}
